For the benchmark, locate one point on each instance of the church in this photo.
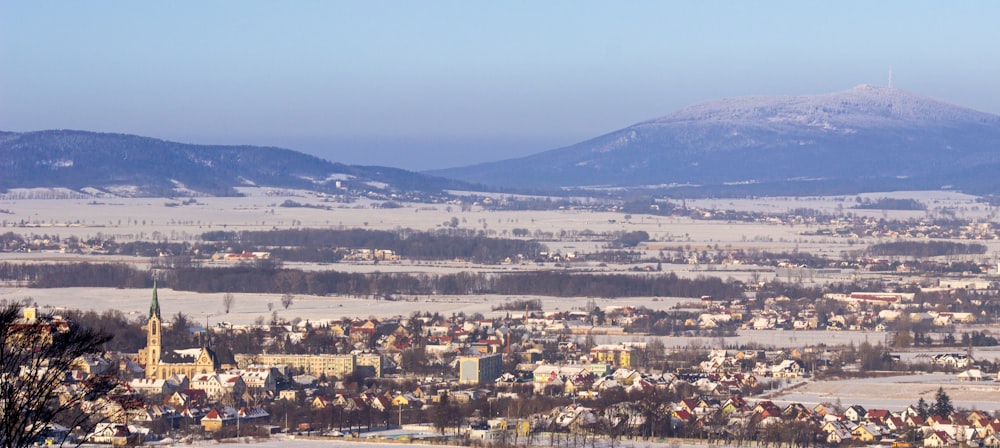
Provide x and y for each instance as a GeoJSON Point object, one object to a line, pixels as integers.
{"type": "Point", "coordinates": [152, 359]}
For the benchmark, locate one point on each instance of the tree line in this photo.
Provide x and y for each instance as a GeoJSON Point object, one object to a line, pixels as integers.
{"type": "Point", "coordinates": [56, 275]}
{"type": "Point", "coordinates": [267, 278]}
{"type": "Point", "coordinates": [889, 204]}
{"type": "Point", "coordinates": [924, 249]}
{"type": "Point", "coordinates": [444, 244]}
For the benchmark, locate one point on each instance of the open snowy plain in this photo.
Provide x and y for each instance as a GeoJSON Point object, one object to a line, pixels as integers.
{"type": "Point", "coordinates": [29, 214]}
{"type": "Point", "coordinates": [301, 442]}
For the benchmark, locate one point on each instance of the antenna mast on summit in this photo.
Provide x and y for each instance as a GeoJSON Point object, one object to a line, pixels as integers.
{"type": "Point", "coordinates": [890, 76]}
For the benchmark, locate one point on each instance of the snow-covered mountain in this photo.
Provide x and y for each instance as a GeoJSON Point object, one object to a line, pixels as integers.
{"type": "Point", "coordinates": [130, 165]}
{"type": "Point", "coordinates": [864, 138]}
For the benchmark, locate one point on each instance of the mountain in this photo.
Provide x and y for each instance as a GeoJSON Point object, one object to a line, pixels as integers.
{"type": "Point", "coordinates": [141, 166]}
{"type": "Point", "coordinates": [863, 139]}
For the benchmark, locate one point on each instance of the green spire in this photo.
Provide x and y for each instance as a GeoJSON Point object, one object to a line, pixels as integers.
{"type": "Point", "coordinates": [154, 308]}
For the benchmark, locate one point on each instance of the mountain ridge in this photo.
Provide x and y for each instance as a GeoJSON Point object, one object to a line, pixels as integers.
{"type": "Point", "coordinates": [154, 167]}
{"type": "Point", "coordinates": [866, 138]}
{"type": "Point", "coordinates": [869, 133]}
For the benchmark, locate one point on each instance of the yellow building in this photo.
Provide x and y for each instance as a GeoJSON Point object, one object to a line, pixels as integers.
{"type": "Point", "coordinates": [615, 355]}
{"type": "Point", "coordinates": [336, 366]}
{"type": "Point", "coordinates": [151, 357]}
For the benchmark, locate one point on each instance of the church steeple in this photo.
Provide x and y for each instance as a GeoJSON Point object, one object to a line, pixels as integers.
{"type": "Point", "coordinates": [154, 308]}
{"type": "Point", "coordinates": [154, 332]}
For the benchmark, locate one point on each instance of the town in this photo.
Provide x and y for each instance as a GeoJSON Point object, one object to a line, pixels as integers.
{"type": "Point", "coordinates": [529, 376]}
{"type": "Point", "coordinates": [495, 327]}
{"type": "Point", "coordinates": [571, 224]}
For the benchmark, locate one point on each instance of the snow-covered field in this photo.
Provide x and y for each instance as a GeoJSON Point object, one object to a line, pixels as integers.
{"type": "Point", "coordinates": [300, 442]}
{"type": "Point", "coordinates": [248, 307]}
{"type": "Point", "coordinates": [151, 218]}
{"type": "Point", "coordinates": [897, 392]}
{"type": "Point", "coordinates": [128, 219]}
{"type": "Point", "coordinates": [963, 204]}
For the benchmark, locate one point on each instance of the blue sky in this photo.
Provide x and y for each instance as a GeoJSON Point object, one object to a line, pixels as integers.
{"type": "Point", "coordinates": [423, 85]}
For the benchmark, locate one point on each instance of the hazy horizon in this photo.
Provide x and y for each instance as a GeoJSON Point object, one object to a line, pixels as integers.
{"type": "Point", "coordinates": [436, 85]}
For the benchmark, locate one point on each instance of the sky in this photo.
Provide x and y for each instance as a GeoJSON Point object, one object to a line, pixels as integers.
{"type": "Point", "coordinates": [435, 84]}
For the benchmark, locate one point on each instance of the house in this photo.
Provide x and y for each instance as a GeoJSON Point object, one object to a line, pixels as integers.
{"type": "Point", "coordinates": [877, 415]}
{"type": "Point", "coordinates": [823, 409]}
{"type": "Point", "coordinates": [867, 432]}
{"type": "Point", "coordinates": [606, 384]}
{"type": "Point", "coordinates": [219, 385]}
{"type": "Point", "coordinates": [289, 394]}
{"type": "Point", "coordinates": [991, 441]}
{"type": "Point", "coordinates": [971, 375]}
{"type": "Point", "coordinates": [406, 400]}
{"type": "Point", "coordinates": [978, 419]}
{"type": "Point", "coordinates": [115, 434]}
{"type": "Point", "coordinates": [788, 368]}
{"type": "Point", "coordinates": [952, 360]}
{"type": "Point", "coordinates": [914, 421]}
{"type": "Point", "coordinates": [626, 376]}
{"type": "Point", "coordinates": [734, 404]}
{"type": "Point", "coordinates": [215, 419]}
{"type": "Point", "coordinates": [837, 432]}
{"type": "Point", "coordinates": [578, 383]}
{"type": "Point", "coordinates": [574, 418]}
{"type": "Point", "coordinates": [253, 415]}
{"type": "Point", "coordinates": [935, 421]}
{"type": "Point", "coordinates": [682, 415]}
{"type": "Point", "coordinates": [260, 381]}
{"type": "Point", "coordinates": [617, 355]}
{"type": "Point", "coordinates": [767, 409]}
{"type": "Point", "coordinates": [381, 403]}
{"type": "Point", "coordinates": [688, 404]}
{"type": "Point", "coordinates": [855, 413]}
{"type": "Point", "coordinates": [895, 424]}
{"type": "Point", "coordinates": [150, 387]}
{"type": "Point", "coordinates": [937, 438]}
{"type": "Point", "coordinates": [321, 402]}
{"type": "Point", "coordinates": [796, 411]}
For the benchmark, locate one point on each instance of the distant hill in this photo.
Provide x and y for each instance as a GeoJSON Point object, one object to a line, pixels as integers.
{"type": "Point", "coordinates": [864, 139]}
{"type": "Point", "coordinates": [141, 166]}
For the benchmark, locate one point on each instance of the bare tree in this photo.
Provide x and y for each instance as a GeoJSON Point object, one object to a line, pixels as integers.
{"type": "Point", "coordinates": [287, 299]}
{"type": "Point", "coordinates": [227, 301]}
{"type": "Point", "coordinates": [37, 356]}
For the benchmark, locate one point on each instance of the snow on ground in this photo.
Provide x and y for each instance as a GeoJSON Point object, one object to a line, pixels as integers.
{"type": "Point", "coordinates": [763, 338]}
{"type": "Point", "coordinates": [897, 392]}
{"type": "Point", "coordinates": [248, 307]}
{"type": "Point", "coordinates": [161, 219]}
{"type": "Point", "coordinates": [540, 440]}
{"type": "Point", "coordinates": [966, 205]}
{"type": "Point", "coordinates": [140, 218]}
{"type": "Point", "coordinates": [166, 219]}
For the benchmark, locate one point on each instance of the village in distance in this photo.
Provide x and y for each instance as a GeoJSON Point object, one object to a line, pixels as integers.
{"type": "Point", "coordinates": [506, 320]}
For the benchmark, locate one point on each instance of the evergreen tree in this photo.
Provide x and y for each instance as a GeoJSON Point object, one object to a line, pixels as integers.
{"type": "Point", "coordinates": [922, 408]}
{"type": "Point", "coordinates": [942, 406]}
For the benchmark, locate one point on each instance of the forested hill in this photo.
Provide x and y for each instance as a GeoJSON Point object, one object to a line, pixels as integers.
{"type": "Point", "coordinates": [130, 165]}
{"type": "Point", "coordinates": [867, 138]}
